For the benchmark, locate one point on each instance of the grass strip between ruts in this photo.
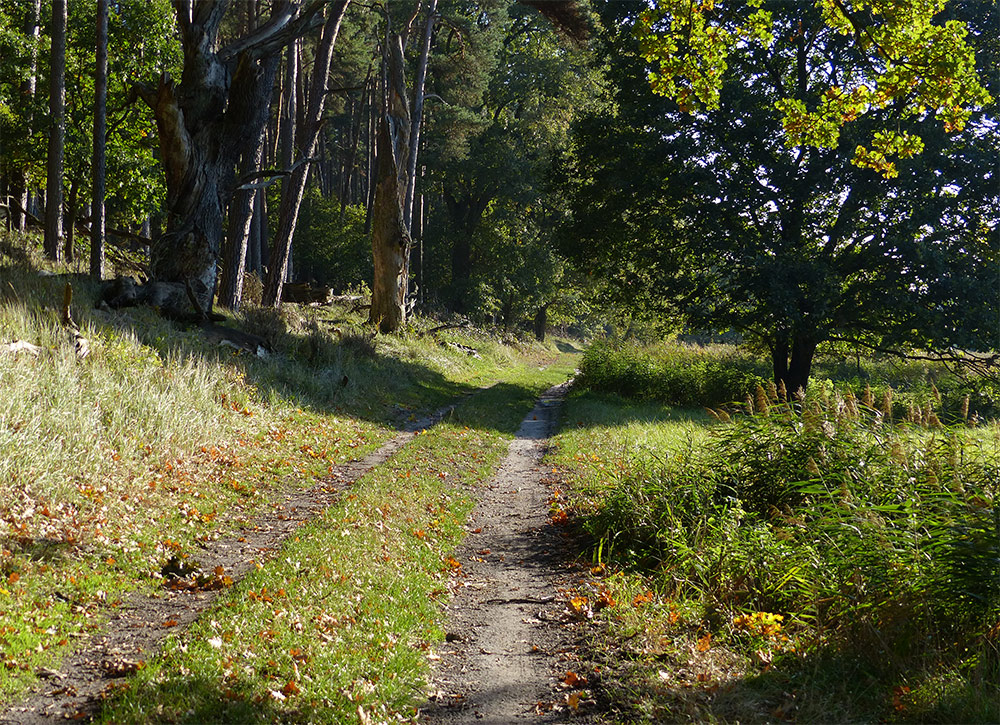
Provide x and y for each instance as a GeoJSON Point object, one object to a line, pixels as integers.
{"type": "Point", "coordinates": [336, 627]}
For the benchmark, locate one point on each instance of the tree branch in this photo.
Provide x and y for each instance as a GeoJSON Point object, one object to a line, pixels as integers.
{"type": "Point", "coordinates": [277, 32]}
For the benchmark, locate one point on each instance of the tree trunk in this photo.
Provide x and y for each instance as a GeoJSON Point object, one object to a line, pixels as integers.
{"type": "Point", "coordinates": [418, 113]}
{"type": "Point", "coordinates": [241, 209]}
{"type": "Point", "coordinates": [507, 313]}
{"type": "Point", "coordinates": [372, 168]}
{"type": "Point", "coordinates": [241, 205]}
{"type": "Point", "coordinates": [791, 358]}
{"type": "Point", "coordinates": [799, 364]}
{"type": "Point", "coordinates": [97, 221]}
{"type": "Point", "coordinates": [390, 236]}
{"type": "Point", "coordinates": [293, 189]}
{"type": "Point", "coordinates": [466, 212]}
{"type": "Point", "coordinates": [255, 256]}
{"type": "Point", "coordinates": [33, 29]}
{"type": "Point", "coordinates": [351, 162]}
{"type": "Point", "coordinates": [779, 358]}
{"type": "Point", "coordinates": [57, 133]}
{"type": "Point", "coordinates": [541, 323]}
{"type": "Point", "coordinates": [72, 204]}
{"type": "Point", "coordinates": [205, 124]}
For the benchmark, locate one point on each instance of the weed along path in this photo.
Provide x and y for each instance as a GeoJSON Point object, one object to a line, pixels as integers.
{"type": "Point", "coordinates": [509, 641]}
{"type": "Point", "coordinates": [137, 626]}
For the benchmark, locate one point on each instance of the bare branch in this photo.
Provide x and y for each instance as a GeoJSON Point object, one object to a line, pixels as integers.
{"type": "Point", "coordinates": [277, 32]}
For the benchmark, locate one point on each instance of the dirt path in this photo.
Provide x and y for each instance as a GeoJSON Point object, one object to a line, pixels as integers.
{"type": "Point", "coordinates": [510, 639]}
{"type": "Point", "coordinates": [135, 629]}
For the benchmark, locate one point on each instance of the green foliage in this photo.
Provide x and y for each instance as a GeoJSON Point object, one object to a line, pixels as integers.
{"type": "Point", "coordinates": [141, 46]}
{"type": "Point", "coordinates": [331, 246]}
{"type": "Point", "coordinates": [672, 373]}
{"type": "Point", "coordinates": [822, 510]}
{"type": "Point", "coordinates": [903, 58]}
{"type": "Point", "coordinates": [710, 217]}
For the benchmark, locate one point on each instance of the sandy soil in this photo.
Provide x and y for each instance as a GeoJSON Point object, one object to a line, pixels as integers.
{"type": "Point", "coordinates": [510, 636]}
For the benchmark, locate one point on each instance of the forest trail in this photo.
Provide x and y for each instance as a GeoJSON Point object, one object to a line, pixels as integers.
{"type": "Point", "coordinates": [137, 627]}
{"type": "Point", "coordinates": [509, 640]}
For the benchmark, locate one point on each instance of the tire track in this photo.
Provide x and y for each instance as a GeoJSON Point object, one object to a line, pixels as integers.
{"type": "Point", "coordinates": [507, 628]}
{"type": "Point", "coordinates": [134, 630]}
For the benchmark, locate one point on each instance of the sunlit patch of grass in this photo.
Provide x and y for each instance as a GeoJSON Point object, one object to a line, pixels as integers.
{"type": "Point", "coordinates": [341, 621]}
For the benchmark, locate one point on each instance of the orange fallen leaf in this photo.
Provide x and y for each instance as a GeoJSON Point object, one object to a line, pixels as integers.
{"type": "Point", "coordinates": [705, 643]}
{"type": "Point", "coordinates": [573, 701]}
{"type": "Point", "coordinates": [291, 688]}
{"type": "Point", "coordinates": [644, 598]}
{"type": "Point", "coordinates": [170, 623]}
{"type": "Point", "coordinates": [574, 680]}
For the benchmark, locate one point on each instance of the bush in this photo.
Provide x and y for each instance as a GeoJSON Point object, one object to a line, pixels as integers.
{"type": "Point", "coordinates": [823, 510]}
{"type": "Point", "coordinates": [332, 248]}
{"type": "Point", "coordinates": [674, 374]}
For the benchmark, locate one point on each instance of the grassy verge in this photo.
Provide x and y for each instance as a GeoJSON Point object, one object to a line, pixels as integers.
{"type": "Point", "coordinates": [111, 465]}
{"type": "Point", "coordinates": [823, 564]}
{"type": "Point", "coordinates": [338, 626]}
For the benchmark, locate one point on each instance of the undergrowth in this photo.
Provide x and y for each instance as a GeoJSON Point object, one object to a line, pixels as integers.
{"type": "Point", "coordinates": [689, 375]}
{"type": "Point", "coordinates": [793, 548]}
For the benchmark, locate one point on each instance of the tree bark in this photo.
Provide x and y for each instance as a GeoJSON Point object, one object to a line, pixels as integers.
{"type": "Point", "coordinates": [32, 29]}
{"type": "Point", "coordinates": [205, 123]}
{"type": "Point", "coordinates": [241, 205]}
{"type": "Point", "coordinates": [57, 133]}
{"type": "Point", "coordinates": [800, 364]}
{"type": "Point", "coordinates": [294, 188]}
{"type": "Point", "coordinates": [791, 360]}
{"type": "Point", "coordinates": [372, 165]}
{"type": "Point", "coordinates": [241, 210]}
{"type": "Point", "coordinates": [97, 221]}
{"type": "Point", "coordinates": [541, 322]}
{"type": "Point", "coordinates": [390, 235]}
{"type": "Point", "coordinates": [418, 113]}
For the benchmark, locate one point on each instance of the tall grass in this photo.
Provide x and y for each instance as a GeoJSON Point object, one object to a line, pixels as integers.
{"type": "Point", "coordinates": [716, 375]}
{"type": "Point", "coordinates": [672, 373]}
{"type": "Point", "coordinates": [876, 541]}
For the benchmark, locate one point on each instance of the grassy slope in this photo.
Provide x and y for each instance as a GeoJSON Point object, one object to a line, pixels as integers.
{"type": "Point", "coordinates": [111, 465]}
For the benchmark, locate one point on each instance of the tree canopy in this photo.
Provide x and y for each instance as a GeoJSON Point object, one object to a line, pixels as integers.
{"type": "Point", "coordinates": [714, 215]}
{"type": "Point", "coordinates": [853, 58]}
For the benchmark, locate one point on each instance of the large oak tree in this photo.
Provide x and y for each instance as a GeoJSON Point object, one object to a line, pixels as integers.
{"type": "Point", "coordinates": [716, 216]}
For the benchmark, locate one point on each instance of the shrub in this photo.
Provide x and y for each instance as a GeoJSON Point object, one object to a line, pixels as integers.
{"type": "Point", "coordinates": [672, 373]}
{"type": "Point", "coordinates": [824, 510]}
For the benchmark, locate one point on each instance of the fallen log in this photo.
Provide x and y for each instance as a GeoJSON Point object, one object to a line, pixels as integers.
{"type": "Point", "coordinates": [305, 293]}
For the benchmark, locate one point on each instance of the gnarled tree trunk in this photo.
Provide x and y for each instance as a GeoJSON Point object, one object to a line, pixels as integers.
{"type": "Point", "coordinates": [205, 122]}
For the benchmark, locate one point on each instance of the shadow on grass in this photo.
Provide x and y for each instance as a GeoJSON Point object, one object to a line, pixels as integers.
{"type": "Point", "coordinates": [587, 409]}
{"type": "Point", "coordinates": [310, 369]}
{"type": "Point", "coordinates": [196, 699]}
{"type": "Point", "coordinates": [566, 346]}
